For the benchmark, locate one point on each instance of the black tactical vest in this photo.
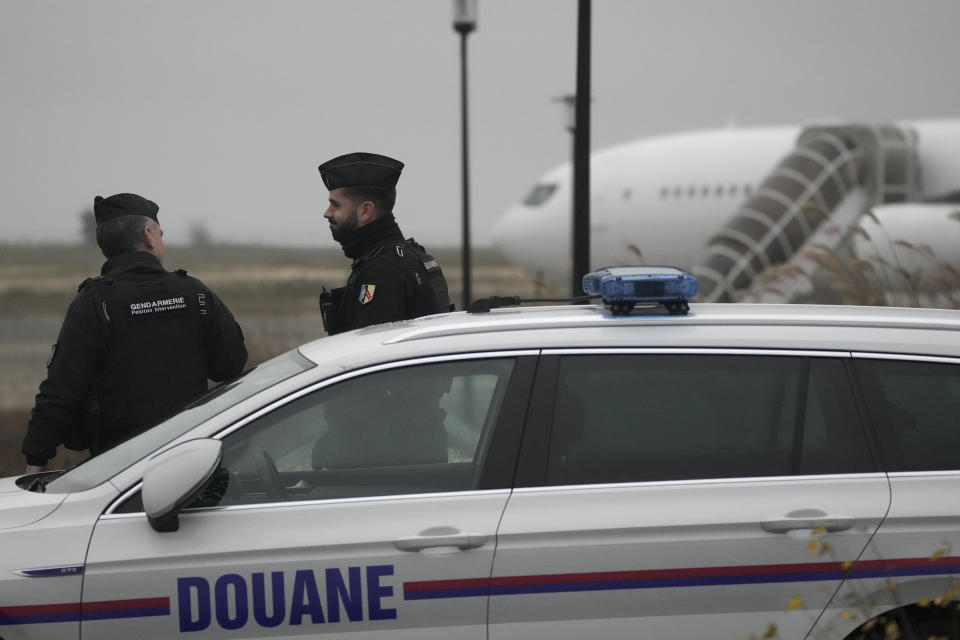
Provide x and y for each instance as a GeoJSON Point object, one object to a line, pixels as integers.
{"type": "Point", "coordinates": [441, 296]}
{"type": "Point", "coordinates": [153, 361]}
{"type": "Point", "coordinates": [424, 303]}
{"type": "Point", "coordinates": [427, 294]}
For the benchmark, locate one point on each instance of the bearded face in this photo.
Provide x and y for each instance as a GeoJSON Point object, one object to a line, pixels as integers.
{"type": "Point", "coordinates": [343, 228]}
{"type": "Point", "coordinates": [343, 216]}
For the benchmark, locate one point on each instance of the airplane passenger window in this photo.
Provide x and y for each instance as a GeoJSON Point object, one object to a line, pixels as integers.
{"type": "Point", "coordinates": [664, 192]}
{"type": "Point", "coordinates": [705, 191]}
{"type": "Point", "coordinates": [691, 191]}
{"type": "Point", "coordinates": [719, 190]}
{"type": "Point", "coordinates": [540, 194]}
{"type": "Point", "coordinates": [677, 192]}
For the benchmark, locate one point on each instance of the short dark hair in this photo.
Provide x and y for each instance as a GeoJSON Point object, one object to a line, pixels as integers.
{"type": "Point", "coordinates": [122, 234]}
{"type": "Point", "coordinates": [383, 198]}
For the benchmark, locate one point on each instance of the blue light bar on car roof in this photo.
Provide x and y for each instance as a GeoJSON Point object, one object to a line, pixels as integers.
{"type": "Point", "coordinates": [624, 287]}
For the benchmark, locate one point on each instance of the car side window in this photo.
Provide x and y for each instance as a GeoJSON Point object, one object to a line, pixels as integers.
{"type": "Point", "coordinates": [406, 430]}
{"type": "Point", "coordinates": [915, 411]}
{"type": "Point", "coordinates": [645, 417]}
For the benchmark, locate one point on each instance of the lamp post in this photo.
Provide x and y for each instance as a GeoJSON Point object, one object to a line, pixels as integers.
{"type": "Point", "coordinates": [465, 21]}
{"type": "Point", "coordinates": [581, 151]}
{"type": "Point", "coordinates": [578, 123]}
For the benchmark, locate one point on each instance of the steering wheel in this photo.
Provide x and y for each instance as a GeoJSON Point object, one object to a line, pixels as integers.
{"type": "Point", "coordinates": [270, 477]}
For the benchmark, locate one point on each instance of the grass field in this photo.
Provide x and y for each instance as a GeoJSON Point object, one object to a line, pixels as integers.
{"type": "Point", "coordinates": [272, 292]}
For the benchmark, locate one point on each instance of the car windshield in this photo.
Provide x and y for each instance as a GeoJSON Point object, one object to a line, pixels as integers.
{"type": "Point", "coordinates": [100, 468]}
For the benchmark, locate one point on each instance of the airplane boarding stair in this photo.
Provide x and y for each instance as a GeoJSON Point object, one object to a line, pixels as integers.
{"type": "Point", "coordinates": [813, 198]}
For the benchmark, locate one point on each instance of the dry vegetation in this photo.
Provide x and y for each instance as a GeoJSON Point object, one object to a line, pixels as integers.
{"type": "Point", "coordinates": [920, 279]}
{"type": "Point", "coordinates": [888, 272]}
{"type": "Point", "coordinates": [272, 291]}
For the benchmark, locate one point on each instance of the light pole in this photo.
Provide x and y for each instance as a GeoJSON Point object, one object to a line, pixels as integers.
{"type": "Point", "coordinates": [465, 21]}
{"type": "Point", "coordinates": [581, 151]}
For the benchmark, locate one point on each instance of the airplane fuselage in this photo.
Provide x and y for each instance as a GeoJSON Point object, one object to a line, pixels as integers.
{"type": "Point", "coordinates": [659, 200]}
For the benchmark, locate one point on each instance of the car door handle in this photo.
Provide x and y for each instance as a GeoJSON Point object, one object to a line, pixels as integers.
{"type": "Point", "coordinates": [807, 519]}
{"type": "Point", "coordinates": [447, 537]}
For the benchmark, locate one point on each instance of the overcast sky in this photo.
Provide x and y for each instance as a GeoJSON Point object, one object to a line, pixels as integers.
{"type": "Point", "coordinates": [221, 110]}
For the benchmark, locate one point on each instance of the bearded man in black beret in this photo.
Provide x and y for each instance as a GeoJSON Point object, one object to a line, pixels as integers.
{"type": "Point", "coordinates": [137, 344]}
{"type": "Point", "coordinates": [391, 278]}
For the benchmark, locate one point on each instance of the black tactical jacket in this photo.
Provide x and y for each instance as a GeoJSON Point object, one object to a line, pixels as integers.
{"type": "Point", "coordinates": [137, 344]}
{"type": "Point", "coordinates": [388, 280]}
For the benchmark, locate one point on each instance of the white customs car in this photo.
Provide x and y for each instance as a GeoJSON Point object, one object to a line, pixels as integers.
{"type": "Point", "coordinates": [587, 471]}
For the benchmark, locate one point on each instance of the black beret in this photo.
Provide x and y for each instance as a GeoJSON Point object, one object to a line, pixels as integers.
{"type": "Point", "coordinates": [123, 204]}
{"type": "Point", "coordinates": [360, 169]}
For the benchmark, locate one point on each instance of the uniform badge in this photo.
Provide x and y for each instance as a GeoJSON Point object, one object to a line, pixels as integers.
{"type": "Point", "coordinates": [366, 292]}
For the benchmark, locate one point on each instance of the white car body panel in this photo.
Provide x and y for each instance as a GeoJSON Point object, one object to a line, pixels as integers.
{"type": "Point", "coordinates": [43, 565]}
{"type": "Point", "coordinates": [913, 556]}
{"type": "Point", "coordinates": [331, 536]}
{"type": "Point", "coordinates": [627, 555]}
{"type": "Point", "coordinates": [19, 508]}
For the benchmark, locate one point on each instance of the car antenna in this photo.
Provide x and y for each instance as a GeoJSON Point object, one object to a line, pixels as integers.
{"type": "Point", "coordinates": [484, 305]}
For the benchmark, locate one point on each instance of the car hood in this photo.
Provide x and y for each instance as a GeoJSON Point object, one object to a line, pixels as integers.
{"type": "Point", "coordinates": [19, 507]}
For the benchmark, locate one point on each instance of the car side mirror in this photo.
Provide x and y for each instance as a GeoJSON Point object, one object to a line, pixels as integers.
{"type": "Point", "coordinates": [175, 477]}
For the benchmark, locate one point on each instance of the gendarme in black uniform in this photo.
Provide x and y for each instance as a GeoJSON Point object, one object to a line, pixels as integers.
{"type": "Point", "coordinates": [391, 278]}
{"type": "Point", "coordinates": [137, 344]}
{"type": "Point", "coordinates": [388, 281]}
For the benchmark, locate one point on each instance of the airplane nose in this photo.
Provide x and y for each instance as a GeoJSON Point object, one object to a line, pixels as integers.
{"type": "Point", "coordinates": [500, 230]}
{"type": "Point", "coordinates": [533, 237]}
{"type": "Point", "coordinates": [511, 234]}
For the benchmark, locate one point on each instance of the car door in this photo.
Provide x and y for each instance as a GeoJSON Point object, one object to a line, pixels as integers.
{"type": "Point", "coordinates": [330, 508]}
{"type": "Point", "coordinates": [684, 494]}
{"type": "Point", "coordinates": [913, 403]}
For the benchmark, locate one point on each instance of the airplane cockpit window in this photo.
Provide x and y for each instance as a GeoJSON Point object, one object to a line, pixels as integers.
{"type": "Point", "coordinates": [540, 194]}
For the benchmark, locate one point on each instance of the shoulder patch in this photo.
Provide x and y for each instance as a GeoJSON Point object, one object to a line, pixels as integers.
{"type": "Point", "coordinates": [366, 293]}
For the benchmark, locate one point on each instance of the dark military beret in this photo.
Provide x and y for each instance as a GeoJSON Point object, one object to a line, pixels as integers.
{"type": "Point", "coordinates": [123, 204]}
{"type": "Point", "coordinates": [360, 168]}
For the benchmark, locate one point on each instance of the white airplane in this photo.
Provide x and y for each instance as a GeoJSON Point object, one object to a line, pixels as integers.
{"type": "Point", "coordinates": [756, 213]}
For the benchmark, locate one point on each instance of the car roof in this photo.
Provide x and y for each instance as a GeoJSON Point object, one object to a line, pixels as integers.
{"type": "Point", "coordinates": [930, 332]}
